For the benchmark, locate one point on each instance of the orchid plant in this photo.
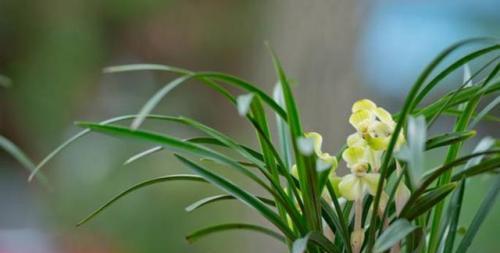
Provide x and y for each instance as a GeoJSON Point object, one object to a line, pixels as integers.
{"type": "Point", "coordinates": [388, 202]}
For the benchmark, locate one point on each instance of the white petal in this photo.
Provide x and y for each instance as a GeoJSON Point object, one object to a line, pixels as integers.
{"type": "Point", "coordinates": [351, 187]}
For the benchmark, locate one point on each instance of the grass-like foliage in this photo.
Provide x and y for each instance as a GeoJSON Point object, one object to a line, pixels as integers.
{"type": "Point", "coordinates": [388, 202]}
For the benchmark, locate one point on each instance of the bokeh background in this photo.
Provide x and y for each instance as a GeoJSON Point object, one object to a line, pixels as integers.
{"type": "Point", "coordinates": [54, 50]}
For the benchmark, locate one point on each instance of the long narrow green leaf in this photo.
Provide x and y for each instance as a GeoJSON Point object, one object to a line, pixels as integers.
{"type": "Point", "coordinates": [175, 145]}
{"type": "Point", "coordinates": [456, 97]}
{"type": "Point", "coordinates": [280, 195]}
{"type": "Point", "coordinates": [398, 230]}
{"type": "Point", "coordinates": [483, 113]}
{"type": "Point", "coordinates": [22, 158]}
{"type": "Point", "coordinates": [452, 67]}
{"type": "Point", "coordinates": [308, 177]}
{"type": "Point", "coordinates": [240, 194]}
{"type": "Point", "coordinates": [483, 167]}
{"type": "Point", "coordinates": [455, 206]}
{"type": "Point", "coordinates": [448, 138]}
{"type": "Point", "coordinates": [81, 134]}
{"type": "Point", "coordinates": [205, 77]}
{"type": "Point", "coordinates": [220, 197]}
{"type": "Point", "coordinates": [432, 175]}
{"type": "Point", "coordinates": [156, 98]}
{"type": "Point", "coordinates": [426, 201]}
{"type": "Point", "coordinates": [487, 117]}
{"type": "Point", "coordinates": [315, 238]}
{"type": "Point", "coordinates": [149, 67]}
{"type": "Point", "coordinates": [233, 226]}
{"type": "Point", "coordinates": [143, 154]}
{"type": "Point", "coordinates": [481, 214]}
{"type": "Point", "coordinates": [140, 186]}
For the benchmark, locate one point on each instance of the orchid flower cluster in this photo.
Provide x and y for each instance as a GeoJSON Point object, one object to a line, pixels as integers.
{"type": "Point", "coordinates": [374, 127]}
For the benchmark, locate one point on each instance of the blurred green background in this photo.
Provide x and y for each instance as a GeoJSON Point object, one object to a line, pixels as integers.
{"type": "Point", "coordinates": [54, 50]}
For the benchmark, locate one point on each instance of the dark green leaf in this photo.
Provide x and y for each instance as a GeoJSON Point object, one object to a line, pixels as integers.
{"type": "Point", "coordinates": [448, 138]}
{"type": "Point", "coordinates": [240, 194]}
{"type": "Point", "coordinates": [483, 167]}
{"type": "Point", "coordinates": [426, 201]}
{"type": "Point", "coordinates": [174, 145]}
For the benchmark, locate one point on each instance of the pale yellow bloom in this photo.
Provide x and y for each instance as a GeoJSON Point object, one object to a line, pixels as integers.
{"type": "Point", "coordinates": [323, 157]}
{"type": "Point", "coordinates": [355, 186]}
{"type": "Point", "coordinates": [374, 124]}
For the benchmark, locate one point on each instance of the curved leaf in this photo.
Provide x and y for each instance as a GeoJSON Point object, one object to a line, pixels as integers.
{"type": "Point", "coordinates": [426, 201]}
{"type": "Point", "coordinates": [233, 226]}
{"type": "Point", "coordinates": [396, 232]}
{"type": "Point", "coordinates": [142, 154]}
{"type": "Point", "coordinates": [481, 214]}
{"type": "Point", "coordinates": [483, 113]}
{"type": "Point", "coordinates": [217, 198]}
{"type": "Point", "coordinates": [139, 186]}
{"type": "Point", "coordinates": [175, 145]}
{"type": "Point", "coordinates": [80, 135]}
{"type": "Point", "coordinates": [300, 245]}
{"type": "Point", "coordinates": [22, 158]}
{"type": "Point", "coordinates": [448, 138]}
{"type": "Point", "coordinates": [240, 194]}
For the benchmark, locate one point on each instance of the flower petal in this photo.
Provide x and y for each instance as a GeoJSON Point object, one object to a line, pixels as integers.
{"type": "Point", "coordinates": [363, 104]}
{"type": "Point", "coordinates": [371, 180]}
{"type": "Point", "coordinates": [384, 115]}
{"type": "Point", "coordinates": [350, 187]}
{"type": "Point", "coordinates": [378, 143]}
{"type": "Point", "coordinates": [317, 141]}
{"type": "Point", "coordinates": [355, 140]}
{"type": "Point", "coordinates": [361, 120]}
{"type": "Point", "coordinates": [354, 156]}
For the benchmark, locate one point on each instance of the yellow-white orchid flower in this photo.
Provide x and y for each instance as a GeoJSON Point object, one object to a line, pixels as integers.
{"type": "Point", "coordinates": [324, 161]}
{"type": "Point", "coordinates": [323, 157]}
{"type": "Point", "coordinates": [354, 186]}
{"type": "Point", "coordinates": [374, 124]}
{"type": "Point", "coordinates": [372, 157]}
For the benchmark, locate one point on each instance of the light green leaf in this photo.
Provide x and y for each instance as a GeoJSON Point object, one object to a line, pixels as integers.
{"type": "Point", "coordinates": [482, 212]}
{"type": "Point", "coordinates": [396, 232]}
{"type": "Point", "coordinates": [217, 198]}
{"type": "Point", "coordinates": [233, 226]}
{"type": "Point", "coordinates": [22, 158]}
{"type": "Point", "coordinates": [483, 113]}
{"type": "Point", "coordinates": [139, 186]}
{"type": "Point", "coordinates": [300, 245]}
{"type": "Point", "coordinates": [243, 103]}
{"type": "Point", "coordinates": [142, 154]}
